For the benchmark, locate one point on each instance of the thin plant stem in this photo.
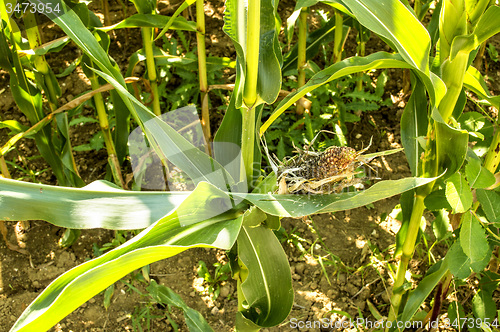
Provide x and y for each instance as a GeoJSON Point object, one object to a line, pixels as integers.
{"type": "Point", "coordinates": [202, 71]}
{"type": "Point", "coordinates": [41, 65]}
{"type": "Point", "coordinates": [106, 133]}
{"type": "Point", "coordinates": [407, 254]}
{"type": "Point", "coordinates": [417, 8]}
{"type": "Point", "coordinates": [453, 77]}
{"type": "Point", "coordinates": [479, 57]}
{"type": "Point", "coordinates": [252, 46]}
{"type": "Point", "coordinates": [4, 169]}
{"type": "Point", "coordinates": [125, 15]}
{"type": "Point", "coordinates": [250, 89]}
{"type": "Point", "coordinates": [301, 56]}
{"type": "Point", "coordinates": [361, 53]}
{"type": "Point", "coordinates": [339, 34]}
{"type": "Point", "coordinates": [248, 141]}
{"type": "Point", "coordinates": [147, 38]}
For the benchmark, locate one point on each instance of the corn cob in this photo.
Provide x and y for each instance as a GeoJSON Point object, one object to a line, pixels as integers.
{"type": "Point", "coordinates": [333, 161]}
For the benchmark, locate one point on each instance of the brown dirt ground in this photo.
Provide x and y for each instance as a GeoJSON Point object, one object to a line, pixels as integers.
{"type": "Point", "coordinates": [360, 239]}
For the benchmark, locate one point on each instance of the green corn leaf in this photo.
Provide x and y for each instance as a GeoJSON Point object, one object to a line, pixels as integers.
{"type": "Point", "coordinates": [339, 5]}
{"type": "Point", "coordinates": [161, 57]}
{"type": "Point", "coordinates": [229, 135]}
{"type": "Point", "coordinates": [52, 46]}
{"type": "Point", "coordinates": [474, 81]}
{"type": "Point", "coordinates": [452, 23]}
{"type": "Point", "coordinates": [424, 288]}
{"type": "Point", "coordinates": [98, 205]}
{"type": "Point", "coordinates": [487, 27]}
{"type": "Point", "coordinates": [475, 8]}
{"type": "Point", "coordinates": [179, 10]}
{"type": "Point", "coordinates": [70, 207]}
{"type": "Point", "coordinates": [473, 238]}
{"type": "Point", "coordinates": [414, 125]}
{"type": "Point", "coordinates": [14, 126]}
{"type": "Point", "coordinates": [379, 60]}
{"type": "Point", "coordinates": [303, 205]}
{"type": "Point", "coordinates": [395, 22]}
{"type": "Point", "coordinates": [108, 294]}
{"type": "Point", "coordinates": [163, 239]}
{"type": "Point", "coordinates": [74, 28]}
{"type": "Point", "coordinates": [451, 143]}
{"type": "Point", "coordinates": [269, 71]}
{"type": "Point", "coordinates": [122, 127]}
{"type": "Point", "coordinates": [145, 6]}
{"type": "Point", "coordinates": [171, 145]}
{"type": "Point", "coordinates": [152, 21]}
{"type": "Point", "coordinates": [66, 153]}
{"type": "Point", "coordinates": [290, 25]}
{"type": "Point", "coordinates": [268, 288]}
{"type": "Point", "coordinates": [28, 97]}
{"type": "Point", "coordinates": [244, 324]}
{"type": "Point", "coordinates": [313, 43]}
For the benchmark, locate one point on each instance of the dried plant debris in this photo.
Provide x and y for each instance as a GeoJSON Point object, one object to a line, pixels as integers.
{"type": "Point", "coordinates": [320, 172]}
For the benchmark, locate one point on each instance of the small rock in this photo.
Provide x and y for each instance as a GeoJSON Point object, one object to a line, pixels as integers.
{"type": "Point", "coordinates": [214, 311]}
{"type": "Point", "coordinates": [192, 294]}
{"type": "Point", "coordinates": [351, 289]}
{"type": "Point", "coordinates": [92, 300]}
{"type": "Point", "coordinates": [225, 291]}
{"type": "Point", "coordinates": [358, 136]}
{"type": "Point", "coordinates": [360, 304]}
{"type": "Point", "coordinates": [295, 276]}
{"type": "Point", "coordinates": [342, 278]}
{"type": "Point", "coordinates": [314, 285]}
{"type": "Point", "coordinates": [36, 284]}
{"type": "Point", "coordinates": [323, 283]}
{"type": "Point", "coordinates": [333, 293]}
{"type": "Point", "coordinates": [356, 281]}
{"type": "Point", "coordinates": [365, 293]}
{"type": "Point", "coordinates": [300, 267]}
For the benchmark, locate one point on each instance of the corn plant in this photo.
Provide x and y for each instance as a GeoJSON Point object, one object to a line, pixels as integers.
{"type": "Point", "coordinates": [433, 138]}
{"type": "Point", "coordinates": [53, 143]}
{"type": "Point", "coordinates": [235, 205]}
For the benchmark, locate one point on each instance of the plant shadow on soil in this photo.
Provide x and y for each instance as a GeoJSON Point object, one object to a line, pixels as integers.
{"type": "Point", "coordinates": [352, 236]}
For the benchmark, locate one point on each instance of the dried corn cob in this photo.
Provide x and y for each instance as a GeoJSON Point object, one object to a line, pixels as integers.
{"type": "Point", "coordinates": [333, 161]}
{"type": "Point", "coordinates": [319, 172]}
